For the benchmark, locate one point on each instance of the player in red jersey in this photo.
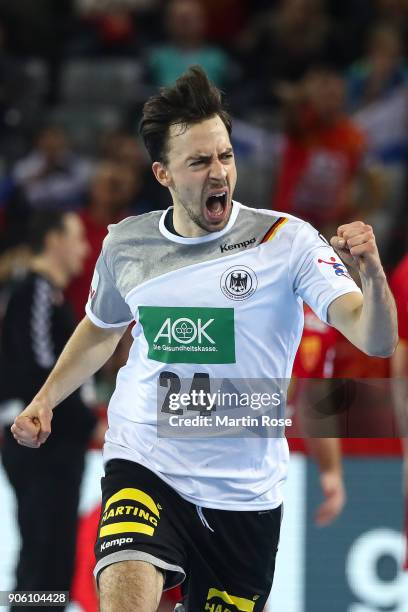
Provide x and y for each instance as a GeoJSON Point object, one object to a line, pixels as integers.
{"type": "Point", "coordinates": [314, 360]}
{"type": "Point", "coordinates": [399, 367]}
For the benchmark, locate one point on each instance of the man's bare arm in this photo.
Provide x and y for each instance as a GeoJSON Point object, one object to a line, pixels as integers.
{"type": "Point", "coordinates": [84, 354]}
{"type": "Point", "coordinates": [368, 321]}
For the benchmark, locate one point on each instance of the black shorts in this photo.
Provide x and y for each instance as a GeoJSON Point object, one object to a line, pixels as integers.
{"type": "Point", "coordinates": [225, 559]}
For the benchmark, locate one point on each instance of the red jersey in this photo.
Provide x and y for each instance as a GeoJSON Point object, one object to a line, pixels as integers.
{"type": "Point", "coordinates": [399, 286]}
{"type": "Point", "coordinates": [314, 359]}
{"type": "Point", "coordinates": [317, 169]}
{"type": "Point", "coordinates": [78, 290]}
{"type": "Point", "coordinates": [315, 355]}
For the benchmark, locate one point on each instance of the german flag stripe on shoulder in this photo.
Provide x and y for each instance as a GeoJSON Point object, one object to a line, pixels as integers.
{"type": "Point", "coordinates": [273, 229]}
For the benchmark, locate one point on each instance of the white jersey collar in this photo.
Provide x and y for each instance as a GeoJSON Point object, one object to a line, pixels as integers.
{"type": "Point", "coordinates": [199, 239]}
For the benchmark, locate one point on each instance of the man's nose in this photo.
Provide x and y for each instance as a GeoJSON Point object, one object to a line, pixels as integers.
{"type": "Point", "coordinates": [218, 170]}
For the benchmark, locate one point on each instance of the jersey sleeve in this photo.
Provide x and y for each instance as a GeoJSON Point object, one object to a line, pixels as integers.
{"type": "Point", "coordinates": [106, 307]}
{"type": "Point", "coordinates": [318, 274]}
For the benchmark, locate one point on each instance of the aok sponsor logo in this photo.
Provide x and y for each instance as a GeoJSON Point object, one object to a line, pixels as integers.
{"type": "Point", "coordinates": [129, 517]}
{"type": "Point", "coordinates": [221, 601]}
{"type": "Point", "coordinates": [189, 335]}
{"type": "Point", "coordinates": [239, 245]}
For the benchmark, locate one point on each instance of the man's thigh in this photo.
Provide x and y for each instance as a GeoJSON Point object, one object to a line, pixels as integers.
{"type": "Point", "coordinates": [130, 585]}
{"type": "Point", "coordinates": [232, 562]}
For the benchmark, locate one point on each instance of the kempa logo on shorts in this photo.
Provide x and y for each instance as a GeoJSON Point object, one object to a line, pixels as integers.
{"type": "Point", "coordinates": [221, 601]}
{"type": "Point", "coordinates": [118, 542]}
{"type": "Point", "coordinates": [189, 335]}
{"type": "Point", "coordinates": [238, 245]}
{"type": "Point", "coordinates": [129, 517]}
{"type": "Point", "coordinates": [239, 283]}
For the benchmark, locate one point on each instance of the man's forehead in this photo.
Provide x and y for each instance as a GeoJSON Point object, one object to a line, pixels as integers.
{"type": "Point", "coordinates": [199, 138]}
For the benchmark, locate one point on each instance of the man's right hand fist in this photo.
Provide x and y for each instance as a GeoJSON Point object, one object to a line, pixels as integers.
{"type": "Point", "coordinates": [33, 426]}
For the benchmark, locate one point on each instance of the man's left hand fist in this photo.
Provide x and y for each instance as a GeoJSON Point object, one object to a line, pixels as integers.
{"type": "Point", "coordinates": [355, 243]}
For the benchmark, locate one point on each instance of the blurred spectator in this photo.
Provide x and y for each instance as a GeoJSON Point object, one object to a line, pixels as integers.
{"type": "Point", "coordinates": [89, 6]}
{"type": "Point", "coordinates": [117, 26]}
{"type": "Point", "coordinates": [111, 195]}
{"type": "Point", "coordinates": [226, 19]}
{"type": "Point", "coordinates": [23, 90]}
{"type": "Point", "coordinates": [36, 28]}
{"type": "Point", "coordinates": [39, 30]}
{"type": "Point", "coordinates": [185, 23]}
{"type": "Point", "coordinates": [323, 155]}
{"type": "Point", "coordinates": [12, 84]}
{"type": "Point", "coordinates": [285, 43]}
{"type": "Point", "coordinates": [312, 370]}
{"type": "Point", "coordinates": [46, 481]}
{"type": "Point", "coordinates": [123, 148]}
{"type": "Point", "coordinates": [381, 72]}
{"type": "Point", "coordinates": [395, 11]}
{"type": "Point", "coordinates": [51, 175]}
{"type": "Point", "coordinates": [106, 28]}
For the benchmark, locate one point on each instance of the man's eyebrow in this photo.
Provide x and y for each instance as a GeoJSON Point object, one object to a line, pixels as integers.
{"type": "Point", "coordinates": [198, 156]}
{"type": "Point", "coordinates": [203, 156]}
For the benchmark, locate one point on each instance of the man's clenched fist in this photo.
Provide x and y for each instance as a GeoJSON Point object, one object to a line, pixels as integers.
{"type": "Point", "coordinates": [33, 426]}
{"type": "Point", "coordinates": [355, 243]}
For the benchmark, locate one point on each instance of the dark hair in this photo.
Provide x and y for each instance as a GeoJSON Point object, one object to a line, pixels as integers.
{"type": "Point", "coordinates": [192, 99]}
{"type": "Point", "coordinates": [41, 224]}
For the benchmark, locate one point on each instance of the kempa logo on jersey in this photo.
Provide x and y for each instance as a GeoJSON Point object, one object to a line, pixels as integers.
{"type": "Point", "coordinates": [189, 335]}
{"type": "Point", "coordinates": [118, 542]}
{"type": "Point", "coordinates": [239, 245]}
{"type": "Point", "coordinates": [221, 601]}
{"type": "Point", "coordinates": [129, 517]}
{"type": "Point", "coordinates": [239, 283]}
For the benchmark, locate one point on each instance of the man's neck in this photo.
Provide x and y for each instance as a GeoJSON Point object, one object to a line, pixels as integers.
{"type": "Point", "coordinates": [184, 226]}
{"type": "Point", "coordinates": [168, 222]}
{"type": "Point", "coordinates": [45, 266]}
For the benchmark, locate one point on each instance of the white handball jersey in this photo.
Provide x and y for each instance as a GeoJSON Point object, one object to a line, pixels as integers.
{"type": "Point", "coordinates": [228, 304]}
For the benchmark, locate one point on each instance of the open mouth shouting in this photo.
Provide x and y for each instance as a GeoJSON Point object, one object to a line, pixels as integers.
{"type": "Point", "coordinates": [217, 206]}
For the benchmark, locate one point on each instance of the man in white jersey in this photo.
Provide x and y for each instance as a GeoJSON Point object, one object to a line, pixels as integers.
{"type": "Point", "coordinates": [216, 290]}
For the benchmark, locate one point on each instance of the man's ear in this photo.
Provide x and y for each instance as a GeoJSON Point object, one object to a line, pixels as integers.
{"type": "Point", "coordinates": [162, 174]}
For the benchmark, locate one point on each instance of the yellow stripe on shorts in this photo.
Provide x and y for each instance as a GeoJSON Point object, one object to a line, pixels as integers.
{"type": "Point", "coordinates": [115, 528]}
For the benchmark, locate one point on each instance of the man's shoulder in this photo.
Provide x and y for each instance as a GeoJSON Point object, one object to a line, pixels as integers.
{"type": "Point", "coordinates": [135, 229]}
{"type": "Point", "coordinates": [272, 218]}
